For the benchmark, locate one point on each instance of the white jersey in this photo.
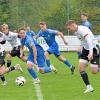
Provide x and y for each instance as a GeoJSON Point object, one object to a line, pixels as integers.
{"type": "Point", "coordinates": [12, 39]}
{"type": "Point", "coordinates": [86, 37]}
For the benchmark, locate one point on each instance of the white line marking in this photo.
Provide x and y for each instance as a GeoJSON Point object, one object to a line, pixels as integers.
{"type": "Point", "coordinates": [38, 91]}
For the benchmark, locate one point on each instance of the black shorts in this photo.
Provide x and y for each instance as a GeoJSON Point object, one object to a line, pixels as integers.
{"type": "Point", "coordinates": [96, 58]}
{"type": "Point", "coordinates": [2, 58]}
{"type": "Point", "coordinates": [15, 52]}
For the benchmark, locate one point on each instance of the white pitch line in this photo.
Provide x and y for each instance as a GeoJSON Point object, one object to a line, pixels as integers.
{"type": "Point", "coordinates": [38, 91]}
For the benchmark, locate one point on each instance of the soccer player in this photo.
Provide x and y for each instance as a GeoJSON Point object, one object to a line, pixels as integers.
{"type": "Point", "coordinates": [29, 31]}
{"type": "Point", "coordinates": [90, 51]}
{"type": "Point", "coordinates": [4, 70]}
{"type": "Point", "coordinates": [13, 39]}
{"type": "Point", "coordinates": [35, 56]}
{"type": "Point", "coordinates": [49, 36]}
{"type": "Point", "coordinates": [85, 22]}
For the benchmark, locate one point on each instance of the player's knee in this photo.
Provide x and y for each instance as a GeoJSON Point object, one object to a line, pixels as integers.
{"type": "Point", "coordinates": [94, 68]}
{"type": "Point", "coordinates": [8, 56]}
{"type": "Point", "coordinates": [46, 54]}
{"type": "Point", "coordinates": [81, 68]}
{"type": "Point", "coordinates": [29, 64]}
{"type": "Point", "coordinates": [94, 71]}
{"type": "Point", "coordinates": [41, 71]}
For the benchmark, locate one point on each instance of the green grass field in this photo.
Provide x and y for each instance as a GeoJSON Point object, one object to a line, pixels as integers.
{"type": "Point", "coordinates": [60, 86]}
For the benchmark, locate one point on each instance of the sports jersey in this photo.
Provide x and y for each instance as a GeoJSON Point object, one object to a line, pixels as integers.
{"type": "Point", "coordinates": [87, 24]}
{"type": "Point", "coordinates": [87, 38]}
{"type": "Point", "coordinates": [49, 36]}
{"type": "Point", "coordinates": [30, 33]}
{"type": "Point", "coordinates": [29, 42]}
{"type": "Point", "coordinates": [12, 39]}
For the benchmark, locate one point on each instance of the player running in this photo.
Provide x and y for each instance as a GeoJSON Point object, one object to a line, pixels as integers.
{"type": "Point", "coordinates": [35, 56]}
{"type": "Point", "coordinates": [90, 51]}
{"type": "Point", "coordinates": [13, 39]}
{"type": "Point", "coordinates": [3, 69]}
{"type": "Point", "coordinates": [49, 36]}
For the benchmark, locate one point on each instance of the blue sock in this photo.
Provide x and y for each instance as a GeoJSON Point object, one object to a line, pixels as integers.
{"type": "Point", "coordinates": [79, 54]}
{"type": "Point", "coordinates": [47, 69]}
{"type": "Point", "coordinates": [32, 72]}
{"type": "Point", "coordinates": [48, 62]}
{"type": "Point", "coordinates": [67, 63]}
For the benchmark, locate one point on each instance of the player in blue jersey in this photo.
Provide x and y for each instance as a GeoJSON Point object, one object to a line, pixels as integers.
{"type": "Point", "coordinates": [85, 22]}
{"type": "Point", "coordinates": [49, 36]}
{"type": "Point", "coordinates": [29, 31]}
{"type": "Point", "coordinates": [35, 56]}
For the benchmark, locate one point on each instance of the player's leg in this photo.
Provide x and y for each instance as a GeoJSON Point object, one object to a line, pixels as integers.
{"type": "Point", "coordinates": [41, 62]}
{"type": "Point", "coordinates": [64, 60]}
{"type": "Point", "coordinates": [82, 64]}
{"type": "Point", "coordinates": [9, 57]}
{"type": "Point", "coordinates": [47, 58]}
{"type": "Point", "coordinates": [95, 62]}
{"type": "Point", "coordinates": [30, 69]}
{"type": "Point", "coordinates": [2, 62]}
{"type": "Point", "coordinates": [47, 53]}
{"type": "Point", "coordinates": [23, 57]}
{"type": "Point", "coordinates": [12, 68]}
{"type": "Point", "coordinates": [4, 82]}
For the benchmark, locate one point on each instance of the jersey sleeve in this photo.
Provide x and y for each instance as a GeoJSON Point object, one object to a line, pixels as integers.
{"type": "Point", "coordinates": [55, 32]}
{"type": "Point", "coordinates": [88, 37]}
{"type": "Point", "coordinates": [31, 42]}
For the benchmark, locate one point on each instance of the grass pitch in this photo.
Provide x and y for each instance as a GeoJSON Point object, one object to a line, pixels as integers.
{"type": "Point", "coordinates": [60, 86]}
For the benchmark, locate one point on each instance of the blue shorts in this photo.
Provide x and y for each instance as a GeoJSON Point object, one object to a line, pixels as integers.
{"type": "Point", "coordinates": [40, 57]}
{"type": "Point", "coordinates": [54, 49]}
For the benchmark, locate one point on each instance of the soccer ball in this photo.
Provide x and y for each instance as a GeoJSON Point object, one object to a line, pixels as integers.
{"type": "Point", "coordinates": [20, 80]}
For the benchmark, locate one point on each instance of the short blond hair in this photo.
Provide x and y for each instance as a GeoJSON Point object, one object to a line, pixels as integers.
{"type": "Point", "coordinates": [4, 25]}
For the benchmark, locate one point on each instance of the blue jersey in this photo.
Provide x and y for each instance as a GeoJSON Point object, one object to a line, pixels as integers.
{"type": "Point", "coordinates": [49, 36]}
{"type": "Point", "coordinates": [30, 33]}
{"type": "Point", "coordinates": [87, 24]}
{"type": "Point", "coordinates": [28, 41]}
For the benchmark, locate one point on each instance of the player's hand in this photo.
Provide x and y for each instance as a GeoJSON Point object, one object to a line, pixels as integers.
{"type": "Point", "coordinates": [90, 56]}
{"type": "Point", "coordinates": [35, 62]}
{"type": "Point", "coordinates": [66, 43]}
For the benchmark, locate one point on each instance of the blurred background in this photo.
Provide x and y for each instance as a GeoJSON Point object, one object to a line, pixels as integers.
{"type": "Point", "coordinates": [20, 13]}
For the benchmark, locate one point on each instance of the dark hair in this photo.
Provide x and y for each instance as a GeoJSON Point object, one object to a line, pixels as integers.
{"type": "Point", "coordinates": [42, 23]}
{"type": "Point", "coordinates": [84, 13]}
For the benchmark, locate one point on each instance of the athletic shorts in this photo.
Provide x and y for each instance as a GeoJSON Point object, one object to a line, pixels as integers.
{"type": "Point", "coordinates": [54, 49]}
{"type": "Point", "coordinates": [15, 52]}
{"type": "Point", "coordinates": [96, 58]}
{"type": "Point", "coordinates": [40, 57]}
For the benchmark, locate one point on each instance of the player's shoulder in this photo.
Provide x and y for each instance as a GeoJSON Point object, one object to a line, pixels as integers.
{"type": "Point", "coordinates": [52, 31]}
{"type": "Point", "coordinates": [12, 33]}
{"type": "Point", "coordinates": [87, 22]}
{"type": "Point", "coordinates": [81, 27]}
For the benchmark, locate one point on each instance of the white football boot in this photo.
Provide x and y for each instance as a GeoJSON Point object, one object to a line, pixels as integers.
{"type": "Point", "coordinates": [89, 89]}
{"type": "Point", "coordinates": [18, 67]}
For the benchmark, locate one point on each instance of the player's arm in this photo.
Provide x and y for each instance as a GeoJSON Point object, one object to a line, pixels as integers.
{"type": "Point", "coordinates": [21, 51]}
{"type": "Point", "coordinates": [35, 54]}
{"type": "Point", "coordinates": [36, 36]}
{"type": "Point", "coordinates": [62, 36]}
